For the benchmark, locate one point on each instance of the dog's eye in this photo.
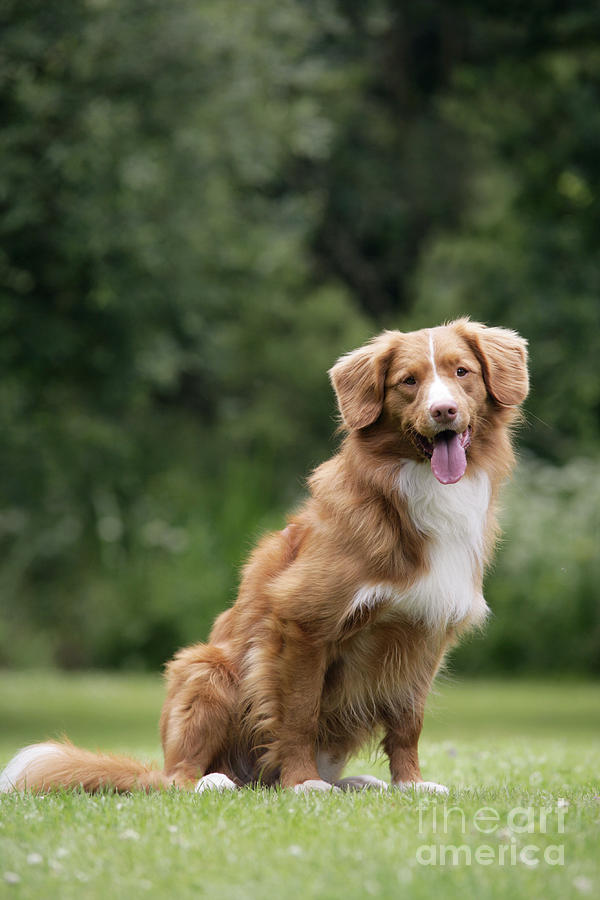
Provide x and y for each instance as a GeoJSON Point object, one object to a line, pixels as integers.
{"type": "Point", "coordinates": [461, 372]}
{"type": "Point", "coordinates": [410, 380]}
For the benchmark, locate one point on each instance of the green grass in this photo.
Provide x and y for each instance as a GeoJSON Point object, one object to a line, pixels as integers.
{"type": "Point", "coordinates": [501, 745]}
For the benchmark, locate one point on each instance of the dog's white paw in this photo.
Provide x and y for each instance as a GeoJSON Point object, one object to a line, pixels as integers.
{"type": "Point", "coordinates": [215, 781]}
{"type": "Point", "coordinates": [313, 784]}
{"type": "Point", "coordinates": [431, 787]}
{"type": "Point", "coordinates": [361, 783]}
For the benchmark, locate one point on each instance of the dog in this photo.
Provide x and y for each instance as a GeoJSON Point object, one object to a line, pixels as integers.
{"type": "Point", "coordinates": [343, 617]}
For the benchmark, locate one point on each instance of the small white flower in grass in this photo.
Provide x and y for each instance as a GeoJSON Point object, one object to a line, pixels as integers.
{"type": "Point", "coordinates": [173, 829]}
{"type": "Point", "coordinates": [181, 842]}
{"type": "Point", "coordinates": [535, 778]}
{"type": "Point", "coordinates": [55, 865]}
{"type": "Point", "coordinates": [34, 859]}
{"type": "Point", "coordinates": [61, 852]}
{"type": "Point", "coordinates": [12, 878]}
{"type": "Point", "coordinates": [583, 885]}
{"type": "Point", "coordinates": [562, 803]}
{"type": "Point", "coordinates": [129, 835]}
{"type": "Point", "coordinates": [295, 850]}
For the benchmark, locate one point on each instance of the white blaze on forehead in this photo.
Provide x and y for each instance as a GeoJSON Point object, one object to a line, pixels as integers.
{"type": "Point", "coordinates": [438, 391]}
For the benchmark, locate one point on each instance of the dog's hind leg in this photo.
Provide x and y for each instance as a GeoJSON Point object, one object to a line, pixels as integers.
{"type": "Point", "coordinates": [197, 718]}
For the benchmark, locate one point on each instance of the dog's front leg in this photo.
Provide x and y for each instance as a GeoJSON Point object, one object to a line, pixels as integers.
{"type": "Point", "coordinates": [401, 745]}
{"type": "Point", "coordinates": [303, 664]}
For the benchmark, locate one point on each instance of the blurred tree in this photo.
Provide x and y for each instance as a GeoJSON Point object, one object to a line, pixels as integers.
{"type": "Point", "coordinates": [157, 304]}
{"type": "Point", "coordinates": [399, 169]}
{"type": "Point", "coordinates": [201, 206]}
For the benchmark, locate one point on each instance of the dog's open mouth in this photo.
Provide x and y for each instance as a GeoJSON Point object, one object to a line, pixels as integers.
{"type": "Point", "coordinates": [447, 452]}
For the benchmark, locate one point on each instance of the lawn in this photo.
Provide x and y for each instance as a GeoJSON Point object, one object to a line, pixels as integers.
{"type": "Point", "coordinates": [522, 760]}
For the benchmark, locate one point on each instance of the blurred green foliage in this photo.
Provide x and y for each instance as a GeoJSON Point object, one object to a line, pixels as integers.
{"type": "Point", "coordinates": [543, 590]}
{"type": "Point", "coordinates": [201, 206]}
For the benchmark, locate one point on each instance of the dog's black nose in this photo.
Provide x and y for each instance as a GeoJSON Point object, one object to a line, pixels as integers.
{"type": "Point", "coordinates": [443, 412]}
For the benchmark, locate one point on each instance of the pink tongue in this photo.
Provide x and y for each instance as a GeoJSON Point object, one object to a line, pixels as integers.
{"type": "Point", "coordinates": [449, 460]}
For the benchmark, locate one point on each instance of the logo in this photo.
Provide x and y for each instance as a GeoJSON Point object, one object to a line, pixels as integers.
{"type": "Point", "coordinates": [513, 837]}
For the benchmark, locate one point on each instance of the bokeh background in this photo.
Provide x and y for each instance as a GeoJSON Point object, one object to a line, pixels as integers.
{"type": "Point", "coordinates": [202, 204]}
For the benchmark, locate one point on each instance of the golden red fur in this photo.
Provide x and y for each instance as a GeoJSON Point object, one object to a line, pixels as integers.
{"type": "Point", "coordinates": [343, 618]}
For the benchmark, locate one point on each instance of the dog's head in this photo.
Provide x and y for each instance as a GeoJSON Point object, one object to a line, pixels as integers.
{"type": "Point", "coordinates": [433, 388]}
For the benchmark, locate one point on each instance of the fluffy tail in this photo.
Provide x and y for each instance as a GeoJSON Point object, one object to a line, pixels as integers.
{"type": "Point", "coordinates": [41, 767]}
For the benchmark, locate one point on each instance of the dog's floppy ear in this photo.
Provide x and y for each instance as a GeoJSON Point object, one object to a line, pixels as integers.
{"type": "Point", "coordinates": [358, 379]}
{"type": "Point", "coordinates": [503, 357]}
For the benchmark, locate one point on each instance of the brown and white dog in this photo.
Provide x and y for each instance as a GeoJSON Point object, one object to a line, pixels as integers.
{"type": "Point", "coordinates": [345, 615]}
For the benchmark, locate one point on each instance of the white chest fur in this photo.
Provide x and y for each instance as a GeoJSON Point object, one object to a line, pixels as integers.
{"type": "Point", "coordinates": [452, 519]}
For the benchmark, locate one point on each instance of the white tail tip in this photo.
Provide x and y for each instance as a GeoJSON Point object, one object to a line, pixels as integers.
{"type": "Point", "coordinates": [14, 776]}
